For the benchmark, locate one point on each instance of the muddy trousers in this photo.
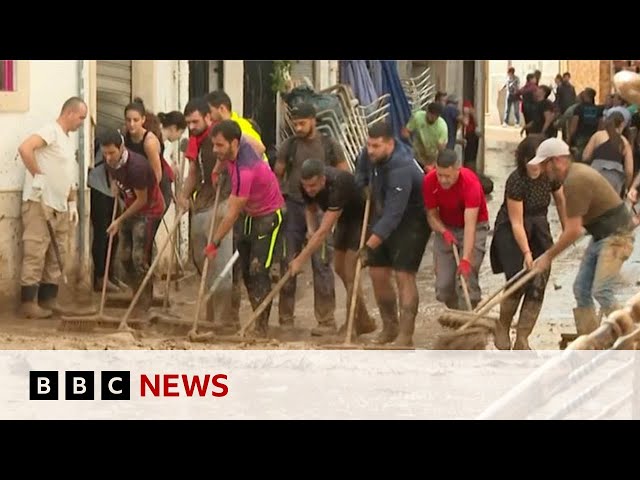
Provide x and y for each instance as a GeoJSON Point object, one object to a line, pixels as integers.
{"type": "Point", "coordinates": [598, 273]}
{"type": "Point", "coordinates": [135, 249]}
{"type": "Point", "coordinates": [101, 212]}
{"type": "Point", "coordinates": [257, 247]}
{"type": "Point", "coordinates": [531, 295]}
{"type": "Point", "coordinates": [448, 286]}
{"type": "Point", "coordinates": [40, 273]}
{"type": "Point", "coordinates": [324, 293]}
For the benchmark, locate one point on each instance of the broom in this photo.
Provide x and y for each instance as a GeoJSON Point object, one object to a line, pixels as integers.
{"type": "Point", "coordinates": [84, 324]}
{"type": "Point", "coordinates": [473, 334]}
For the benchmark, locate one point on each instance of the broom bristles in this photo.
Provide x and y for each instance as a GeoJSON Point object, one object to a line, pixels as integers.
{"type": "Point", "coordinates": [475, 338]}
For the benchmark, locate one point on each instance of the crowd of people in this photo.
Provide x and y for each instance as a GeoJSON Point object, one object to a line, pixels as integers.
{"type": "Point", "coordinates": [309, 206]}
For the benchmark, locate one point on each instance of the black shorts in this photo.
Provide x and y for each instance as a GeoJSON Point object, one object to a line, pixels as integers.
{"type": "Point", "coordinates": [404, 248]}
{"type": "Point", "coordinates": [347, 235]}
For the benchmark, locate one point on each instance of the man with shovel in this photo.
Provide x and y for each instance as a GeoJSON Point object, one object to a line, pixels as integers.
{"type": "Point", "coordinates": [334, 192]}
{"type": "Point", "coordinates": [48, 203]}
{"type": "Point", "coordinates": [457, 212]}
{"type": "Point", "coordinates": [398, 230]}
{"type": "Point", "coordinates": [591, 204]}
{"type": "Point", "coordinates": [256, 193]}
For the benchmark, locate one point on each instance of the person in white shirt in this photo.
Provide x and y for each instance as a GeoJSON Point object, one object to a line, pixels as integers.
{"type": "Point", "coordinates": [48, 193]}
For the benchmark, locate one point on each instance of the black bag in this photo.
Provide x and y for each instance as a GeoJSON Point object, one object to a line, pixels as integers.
{"type": "Point", "coordinates": [487, 184]}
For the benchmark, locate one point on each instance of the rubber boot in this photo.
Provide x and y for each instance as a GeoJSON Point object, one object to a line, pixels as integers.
{"type": "Point", "coordinates": [407, 326]}
{"type": "Point", "coordinates": [528, 317]}
{"type": "Point", "coordinates": [586, 320]}
{"type": "Point", "coordinates": [362, 322]}
{"type": "Point", "coordinates": [502, 338]}
{"type": "Point", "coordinates": [389, 314]}
{"type": "Point", "coordinates": [47, 298]}
{"type": "Point", "coordinates": [29, 307]}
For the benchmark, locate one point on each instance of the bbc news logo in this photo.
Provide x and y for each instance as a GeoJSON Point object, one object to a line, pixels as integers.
{"type": "Point", "coordinates": [116, 385]}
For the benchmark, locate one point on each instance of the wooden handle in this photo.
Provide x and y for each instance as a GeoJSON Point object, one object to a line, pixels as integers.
{"type": "Point", "coordinates": [463, 281]}
{"type": "Point", "coordinates": [268, 299]}
{"type": "Point", "coordinates": [510, 291]}
{"type": "Point", "coordinates": [510, 282]}
{"type": "Point", "coordinates": [107, 263]}
{"type": "Point", "coordinates": [205, 267]}
{"type": "Point", "coordinates": [356, 278]}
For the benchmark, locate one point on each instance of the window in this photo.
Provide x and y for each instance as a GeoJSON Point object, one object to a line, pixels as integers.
{"type": "Point", "coordinates": [14, 85]}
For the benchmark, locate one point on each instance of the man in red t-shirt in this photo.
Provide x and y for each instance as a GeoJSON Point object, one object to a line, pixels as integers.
{"type": "Point", "coordinates": [457, 211]}
{"type": "Point", "coordinates": [132, 177]}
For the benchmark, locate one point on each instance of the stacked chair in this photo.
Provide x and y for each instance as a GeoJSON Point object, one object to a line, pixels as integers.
{"type": "Point", "coordinates": [419, 90]}
{"type": "Point", "coordinates": [339, 115]}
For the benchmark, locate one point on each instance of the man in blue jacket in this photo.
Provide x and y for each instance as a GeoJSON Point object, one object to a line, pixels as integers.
{"type": "Point", "coordinates": [398, 230]}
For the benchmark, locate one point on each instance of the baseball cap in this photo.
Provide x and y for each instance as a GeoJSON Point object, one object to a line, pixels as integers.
{"type": "Point", "coordinates": [624, 111]}
{"type": "Point", "coordinates": [303, 110]}
{"type": "Point", "coordinates": [551, 147]}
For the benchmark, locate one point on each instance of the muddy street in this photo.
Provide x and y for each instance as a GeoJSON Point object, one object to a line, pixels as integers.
{"type": "Point", "coordinates": [555, 318]}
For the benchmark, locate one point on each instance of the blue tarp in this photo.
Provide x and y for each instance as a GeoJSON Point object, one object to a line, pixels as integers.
{"type": "Point", "coordinates": [375, 70]}
{"type": "Point", "coordinates": [399, 109]}
{"type": "Point", "coordinates": [356, 74]}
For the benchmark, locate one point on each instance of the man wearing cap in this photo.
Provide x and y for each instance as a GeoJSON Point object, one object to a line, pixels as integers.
{"type": "Point", "coordinates": [591, 204]}
{"type": "Point", "coordinates": [457, 212]}
{"type": "Point", "coordinates": [308, 142]}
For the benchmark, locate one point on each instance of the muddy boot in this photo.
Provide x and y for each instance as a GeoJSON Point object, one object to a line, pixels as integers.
{"type": "Point", "coordinates": [586, 320]}
{"type": "Point", "coordinates": [111, 287]}
{"type": "Point", "coordinates": [389, 314]}
{"type": "Point", "coordinates": [407, 326]}
{"type": "Point", "coordinates": [47, 298]}
{"type": "Point", "coordinates": [502, 338]}
{"type": "Point", "coordinates": [323, 329]}
{"type": "Point", "coordinates": [29, 307]}
{"type": "Point", "coordinates": [527, 320]}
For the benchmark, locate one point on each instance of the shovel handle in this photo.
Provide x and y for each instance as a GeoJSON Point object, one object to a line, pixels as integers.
{"type": "Point", "coordinates": [268, 299]}
{"type": "Point", "coordinates": [510, 282]}
{"type": "Point", "coordinates": [356, 279]}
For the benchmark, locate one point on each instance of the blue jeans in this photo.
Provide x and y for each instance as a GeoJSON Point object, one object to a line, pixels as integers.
{"type": "Point", "coordinates": [599, 270]}
{"type": "Point", "coordinates": [516, 110]}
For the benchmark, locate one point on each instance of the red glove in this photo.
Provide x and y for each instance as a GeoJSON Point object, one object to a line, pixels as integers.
{"type": "Point", "coordinates": [449, 238]}
{"type": "Point", "coordinates": [214, 178]}
{"type": "Point", "coordinates": [464, 268]}
{"type": "Point", "coordinates": [211, 251]}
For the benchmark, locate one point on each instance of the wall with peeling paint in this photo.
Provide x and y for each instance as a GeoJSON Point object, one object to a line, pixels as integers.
{"type": "Point", "coordinates": [51, 83]}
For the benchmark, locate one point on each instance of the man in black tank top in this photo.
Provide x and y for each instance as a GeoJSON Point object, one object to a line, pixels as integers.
{"type": "Point", "coordinates": [334, 192]}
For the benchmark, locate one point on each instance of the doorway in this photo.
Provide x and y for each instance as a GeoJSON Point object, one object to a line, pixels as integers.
{"type": "Point", "coordinates": [259, 101]}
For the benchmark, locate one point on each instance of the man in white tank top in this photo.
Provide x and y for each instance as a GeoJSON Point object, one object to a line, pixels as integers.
{"type": "Point", "coordinates": [48, 193]}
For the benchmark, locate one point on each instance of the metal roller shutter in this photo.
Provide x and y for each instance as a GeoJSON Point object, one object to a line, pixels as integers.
{"type": "Point", "coordinates": [113, 92]}
{"type": "Point", "coordinates": [301, 69]}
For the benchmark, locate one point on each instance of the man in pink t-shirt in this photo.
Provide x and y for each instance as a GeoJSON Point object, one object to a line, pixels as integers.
{"type": "Point", "coordinates": [457, 213]}
{"type": "Point", "coordinates": [256, 192]}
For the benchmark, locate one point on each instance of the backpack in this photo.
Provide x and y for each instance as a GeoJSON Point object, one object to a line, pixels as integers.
{"type": "Point", "coordinates": [330, 156]}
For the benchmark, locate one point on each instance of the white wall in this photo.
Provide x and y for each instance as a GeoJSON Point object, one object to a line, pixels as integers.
{"type": "Point", "coordinates": [51, 83]}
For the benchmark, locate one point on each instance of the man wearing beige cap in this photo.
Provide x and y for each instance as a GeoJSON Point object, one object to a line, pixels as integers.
{"type": "Point", "coordinates": [592, 204]}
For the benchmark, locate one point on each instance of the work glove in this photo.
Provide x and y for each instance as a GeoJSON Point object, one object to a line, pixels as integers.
{"type": "Point", "coordinates": [464, 268]}
{"type": "Point", "coordinates": [366, 192]}
{"type": "Point", "coordinates": [73, 213]}
{"type": "Point", "coordinates": [449, 238]}
{"type": "Point", "coordinates": [37, 186]}
{"type": "Point", "coordinates": [211, 251]}
{"type": "Point", "coordinates": [215, 176]}
{"type": "Point", "coordinates": [364, 253]}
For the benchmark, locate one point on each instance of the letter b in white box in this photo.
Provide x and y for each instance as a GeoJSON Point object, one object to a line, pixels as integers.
{"type": "Point", "coordinates": [43, 385]}
{"type": "Point", "coordinates": [79, 385]}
